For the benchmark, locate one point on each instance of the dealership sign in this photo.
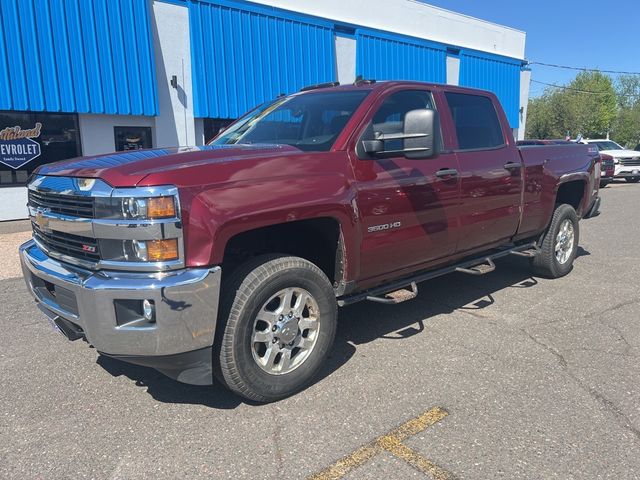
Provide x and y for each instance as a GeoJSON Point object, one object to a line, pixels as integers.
{"type": "Point", "coordinates": [17, 146]}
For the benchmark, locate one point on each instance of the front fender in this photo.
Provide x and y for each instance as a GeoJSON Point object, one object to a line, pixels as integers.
{"type": "Point", "coordinates": [215, 215]}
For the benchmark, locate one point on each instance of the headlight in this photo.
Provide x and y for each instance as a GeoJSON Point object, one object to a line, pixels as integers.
{"type": "Point", "coordinates": [134, 208]}
{"type": "Point", "coordinates": [616, 160]}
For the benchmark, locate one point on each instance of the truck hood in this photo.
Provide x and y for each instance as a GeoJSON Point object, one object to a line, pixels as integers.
{"type": "Point", "coordinates": [127, 169]}
{"type": "Point", "coordinates": [621, 153]}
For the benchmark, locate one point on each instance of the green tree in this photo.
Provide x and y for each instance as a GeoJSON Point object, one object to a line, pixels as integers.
{"type": "Point", "coordinates": [591, 114]}
{"type": "Point", "coordinates": [588, 105]}
{"type": "Point", "coordinates": [626, 128]}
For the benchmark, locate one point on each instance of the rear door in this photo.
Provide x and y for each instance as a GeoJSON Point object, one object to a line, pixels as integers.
{"type": "Point", "coordinates": [490, 172]}
{"type": "Point", "coordinates": [408, 212]}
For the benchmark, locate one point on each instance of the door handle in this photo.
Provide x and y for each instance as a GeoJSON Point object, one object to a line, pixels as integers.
{"type": "Point", "coordinates": [512, 165]}
{"type": "Point", "coordinates": [447, 172]}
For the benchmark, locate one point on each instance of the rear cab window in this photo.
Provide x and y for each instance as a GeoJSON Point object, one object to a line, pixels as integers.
{"type": "Point", "coordinates": [476, 121]}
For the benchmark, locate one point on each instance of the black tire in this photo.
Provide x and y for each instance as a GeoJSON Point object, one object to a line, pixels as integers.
{"type": "Point", "coordinates": [243, 295]}
{"type": "Point", "coordinates": [545, 263]}
{"type": "Point", "coordinates": [632, 179]}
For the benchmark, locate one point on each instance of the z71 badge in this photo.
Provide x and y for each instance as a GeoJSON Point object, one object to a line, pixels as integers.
{"type": "Point", "coordinates": [384, 226]}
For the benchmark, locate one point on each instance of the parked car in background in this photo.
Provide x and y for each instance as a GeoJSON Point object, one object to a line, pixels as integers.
{"type": "Point", "coordinates": [627, 162]}
{"type": "Point", "coordinates": [607, 169]}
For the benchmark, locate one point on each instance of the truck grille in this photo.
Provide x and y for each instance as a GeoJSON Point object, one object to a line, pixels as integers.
{"type": "Point", "coordinates": [630, 162]}
{"type": "Point", "coordinates": [70, 205]}
{"type": "Point", "coordinates": [84, 248]}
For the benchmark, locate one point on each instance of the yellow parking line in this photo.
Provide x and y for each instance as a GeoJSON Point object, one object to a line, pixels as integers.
{"type": "Point", "coordinates": [417, 461]}
{"type": "Point", "coordinates": [392, 443]}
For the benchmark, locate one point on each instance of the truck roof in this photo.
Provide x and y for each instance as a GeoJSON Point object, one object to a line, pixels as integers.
{"type": "Point", "coordinates": [376, 85]}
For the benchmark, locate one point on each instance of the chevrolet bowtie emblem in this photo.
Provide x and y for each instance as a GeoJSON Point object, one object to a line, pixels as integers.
{"type": "Point", "coordinates": [41, 220]}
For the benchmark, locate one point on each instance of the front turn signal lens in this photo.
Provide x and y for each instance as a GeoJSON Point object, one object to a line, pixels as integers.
{"type": "Point", "coordinates": [162, 250]}
{"type": "Point", "coordinates": [161, 207]}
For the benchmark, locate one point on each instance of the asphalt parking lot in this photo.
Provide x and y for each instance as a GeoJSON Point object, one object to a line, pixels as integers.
{"type": "Point", "coordinates": [501, 376]}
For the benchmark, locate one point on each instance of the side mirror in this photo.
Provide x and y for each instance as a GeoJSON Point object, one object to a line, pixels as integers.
{"type": "Point", "coordinates": [421, 134]}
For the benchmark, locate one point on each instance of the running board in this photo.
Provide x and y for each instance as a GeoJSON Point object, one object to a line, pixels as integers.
{"type": "Point", "coordinates": [481, 269]}
{"type": "Point", "coordinates": [532, 252]}
{"type": "Point", "coordinates": [389, 293]}
{"type": "Point", "coordinates": [397, 296]}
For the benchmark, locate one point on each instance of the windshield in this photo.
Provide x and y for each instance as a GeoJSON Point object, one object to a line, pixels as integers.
{"type": "Point", "coordinates": [310, 122]}
{"type": "Point", "coordinates": [607, 145]}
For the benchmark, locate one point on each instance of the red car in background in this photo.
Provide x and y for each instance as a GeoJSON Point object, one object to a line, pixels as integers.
{"type": "Point", "coordinates": [607, 165]}
{"type": "Point", "coordinates": [607, 169]}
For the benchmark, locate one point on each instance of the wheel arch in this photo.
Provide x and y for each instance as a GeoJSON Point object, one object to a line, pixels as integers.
{"type": "Point", "coordinates": [573, 189]}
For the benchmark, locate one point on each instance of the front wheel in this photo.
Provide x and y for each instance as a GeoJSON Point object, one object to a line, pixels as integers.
{"type": "Point", "coordinates": [559, 245]}
{"type": "Point", "coordinates": [632, 179]}
{"type": "Point", "coordinates": [281, 316]}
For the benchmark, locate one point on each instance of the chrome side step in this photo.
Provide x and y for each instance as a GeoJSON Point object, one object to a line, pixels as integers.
{"type": "Point", "coordinates": [397, 296]}
{"type": "Point", "coordinates": [481, 269]}
{"type": "Point", "coordinates": [404, 289]}
{"type": "Point", "coordinates": [532, 252]}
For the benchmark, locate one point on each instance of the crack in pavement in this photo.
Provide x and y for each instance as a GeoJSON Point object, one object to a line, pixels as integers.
{"type": "Point", "coordinates": [594, 393]}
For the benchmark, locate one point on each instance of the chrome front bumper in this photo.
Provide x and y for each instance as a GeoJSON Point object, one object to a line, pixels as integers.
{"type": "Point", "coordinates": [186, 303]}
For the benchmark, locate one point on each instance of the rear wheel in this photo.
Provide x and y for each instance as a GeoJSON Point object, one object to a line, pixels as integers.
{"type": "Point", "coordinates": [280, 324]}
{"type": "Point", "coordinates": [632, 179]}
{"type": "Point", "coordinates": [559, 245]}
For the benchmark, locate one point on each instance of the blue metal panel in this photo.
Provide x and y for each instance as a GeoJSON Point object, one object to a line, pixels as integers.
{"type": "Point", "coordinates": [382, 56]}
{"type": "Point", "coordinates": [500, 75]}
{"type": "Point", "coordinates": [77, 56]}
{"type": "Point", "coordinates": [244, 54]}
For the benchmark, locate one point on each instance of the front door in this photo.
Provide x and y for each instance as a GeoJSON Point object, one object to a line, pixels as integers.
{"type": "Point", "coordinates": [408, 210]}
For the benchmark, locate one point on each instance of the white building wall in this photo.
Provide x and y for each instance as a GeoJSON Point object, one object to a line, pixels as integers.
{"type": "Point", "coordinates": [97, 135]}
{"type": "Point", "coordinates": [525, 82]}
{"type": "Point", "coordinates": [172, 44]}
{"type": "Point", "coordinates": [453, 70]}
{"type": "Point", "coordinates": [417, 19]}
{"type": "Point", "coordinates": [13, 203]}
{"type": "Point", "coordinates": [345, 59]}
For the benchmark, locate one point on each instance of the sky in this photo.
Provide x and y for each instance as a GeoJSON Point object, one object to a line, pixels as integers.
{"type": "Point", "coordinates": [603, 34]}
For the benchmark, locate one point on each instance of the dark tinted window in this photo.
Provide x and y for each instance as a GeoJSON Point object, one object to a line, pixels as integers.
{"type": "Point", "coordinates": [476, 121]}
{"type": "Point", "coordinates": [28, 140]}
{"type": "Point", "coordinates": [390, 115]}
{"type": "Point", "coordinates": [310, 122]}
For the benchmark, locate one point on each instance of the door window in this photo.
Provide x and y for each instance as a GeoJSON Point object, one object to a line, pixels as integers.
{"type": "Point", "coordinates": [390, 115]}
{"type": "Point", "coordinates": [476, 121]}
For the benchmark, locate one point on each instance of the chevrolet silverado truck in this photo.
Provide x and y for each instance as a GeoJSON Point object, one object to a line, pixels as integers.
{"type": "Point", "coordinates": [627, 162]}
{"type": "Point", "coordinates": [230, 260]}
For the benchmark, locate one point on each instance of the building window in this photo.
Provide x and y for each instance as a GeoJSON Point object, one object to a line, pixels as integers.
{"type": "Point", "coordinates": [213, 126]}
{"type": "Point", "coordinates": [28, 140]}
{"type": "Point", "coordinates": [132, 138]}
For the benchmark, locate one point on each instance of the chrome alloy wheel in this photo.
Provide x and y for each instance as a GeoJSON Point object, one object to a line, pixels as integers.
{"type": "Point", "coordinates": [285, 331]}
{"type": "Point", "coordinates": [564, 242]}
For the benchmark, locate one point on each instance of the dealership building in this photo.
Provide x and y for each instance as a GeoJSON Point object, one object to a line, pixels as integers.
{"type": "Point", "coordinates": [85, 78]}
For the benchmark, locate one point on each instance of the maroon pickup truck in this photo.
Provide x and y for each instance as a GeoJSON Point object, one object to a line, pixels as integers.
{"type": "Point", "coordinates": [230, 260]}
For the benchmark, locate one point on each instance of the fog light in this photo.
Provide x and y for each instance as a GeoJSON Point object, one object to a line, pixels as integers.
{"type": "Point", "coordinates": [148, 309]}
